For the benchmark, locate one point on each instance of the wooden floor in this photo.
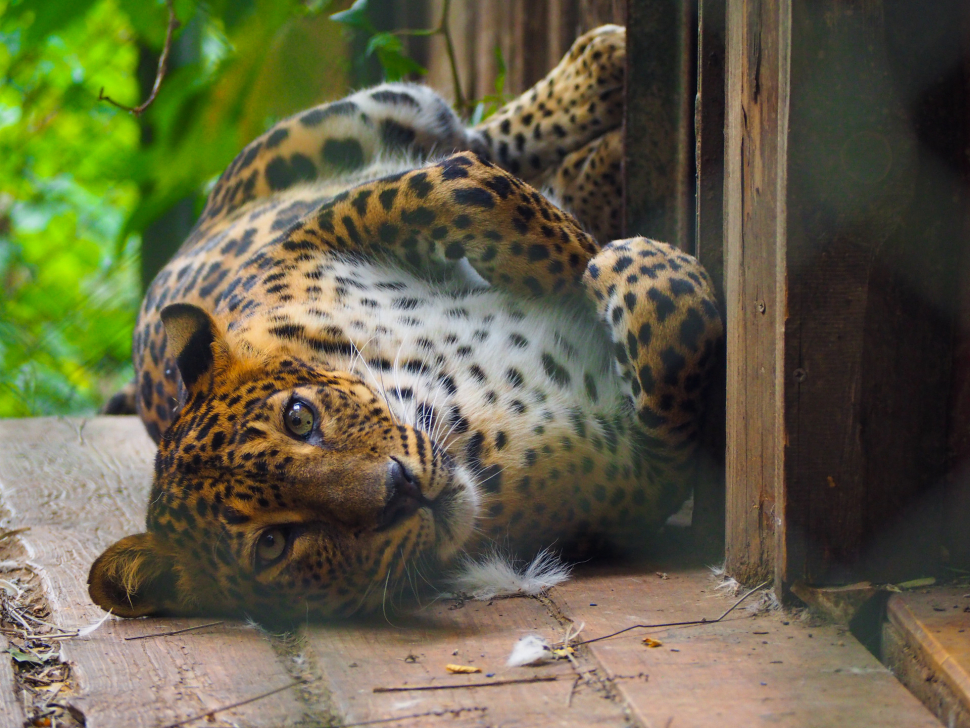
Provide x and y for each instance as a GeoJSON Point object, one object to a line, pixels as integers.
{"type": "Point", "coordinates": [76, 485]}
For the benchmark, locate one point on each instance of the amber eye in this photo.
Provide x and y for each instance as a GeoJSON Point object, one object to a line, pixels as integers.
{"type": "Point", "coordinates": [298, 418]}
{"type": "Point", "coordinates": [271, 546]}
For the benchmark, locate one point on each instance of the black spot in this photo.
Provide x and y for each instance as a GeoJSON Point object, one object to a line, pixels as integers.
{"type": "Point", "coordinates": [647, 381]}
{"type": "Point", "coordinates": [420, 185]}
{"type": "Point", "coordinates": [315, 116]}
{"type": "Point", "coordinates": [396, 135]}
{"type": "Point", "coordinates": [474, 196]}
{"type": "Point", "coordinates": [645, 334]}
{"type": "Point", "coordinates": [387, 233]}
{"type": "Point", "coordinates": [680, 287]}
{"type": "Point", "coordinates": [360, 202]}
{"type": "Point", "coordinates": [673, 364]}
{"type": "Point", "coordinates": [664, 304]}
{"type": "Point", "coordinates": [344, 154]}
{"type": "Point", "coordinates": [500, 186]}
{"type": "Point", "coordinates": [386, 96]}
{"type": "Point", "coordinates": [419, 216]}
{"type": "Point", "coordinates": [622, 263]}
{"type": "Point", "coordinates": [555, 371]}
{"type": "Point", "coordinates": [387, 198]}
{"type": "Point", "coordinates": [455, 251]}
{"type": "Point", "coordinates": [691, 329]}
{"type": "Point", "coordinates": [276, 137]}
{"type": "Point", "coordinates": [537, 252]}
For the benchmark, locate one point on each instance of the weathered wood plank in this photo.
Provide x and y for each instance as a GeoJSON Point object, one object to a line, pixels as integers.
{"type": "Point", "coordinates": [11, 706]}
{"type": "Point", "coordinates": [356, 659]}
{"type": "Point", "coordinates": [756, 114]}
{"type": "Point", "coordinates": [659, 121]}
{"type": "Point", "coordinates": [766, 670]}
{"type": "Point", "coordinates": [77, 485]}
{"type": "Point", "coordinates": [709, 493]}
{"type": "Point", "coordinates": [935, 627]}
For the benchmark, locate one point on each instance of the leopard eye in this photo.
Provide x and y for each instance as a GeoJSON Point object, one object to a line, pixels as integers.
{"type": "Point", "coordinates": [270, 547]}
{"type": "Point", "coordinates": [298, 418]}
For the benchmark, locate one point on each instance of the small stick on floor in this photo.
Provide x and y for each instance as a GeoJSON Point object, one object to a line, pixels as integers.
{"type": "Point", "coordinates": [206, 714]}
{"type": "Point", "coordinates": [176, 631]}
{"type": "Point", "coordinates": [518, 681]}
{"type": "Point", "coordinates": [454, 712]}
{"type": "Point", "coordinates": [676, 624]}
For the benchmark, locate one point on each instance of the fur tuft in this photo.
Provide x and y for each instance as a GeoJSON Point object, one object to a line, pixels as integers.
{"type": "Point", "coordinates": [496, 575]}
{"type": "Point", "coordinates": [530, 650]}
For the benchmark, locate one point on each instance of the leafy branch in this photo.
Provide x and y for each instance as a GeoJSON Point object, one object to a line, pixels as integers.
{"type": "Point", "coordinates": [390, 49]}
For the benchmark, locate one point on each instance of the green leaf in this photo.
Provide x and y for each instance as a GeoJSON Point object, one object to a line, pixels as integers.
{"type": "Point", "coordinates": [355, 17]}
{"type": "Point", "coordinates": [501, 72]}
{"type": "Point", "coordinates": [24, 656]}
{"type": "Point", "coordinates": [390, 54]}
{"type": "Point", "coordinates": [387, 42]}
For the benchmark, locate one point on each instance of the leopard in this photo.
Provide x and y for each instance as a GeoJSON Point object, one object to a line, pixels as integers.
{"type": "Point", "coordinates": [393, 342]}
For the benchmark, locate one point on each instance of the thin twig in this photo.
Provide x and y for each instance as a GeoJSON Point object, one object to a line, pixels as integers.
{"type": "Point", "coordinates": [452, 61]}
{"type": "Point", "coordinates": [176, 631]}
{"type": "Point", "coordinates": [676, 624]}
{"type": "Point", "coordinates": [454, 712]}
{"type": "Point", "coordinates": [206, 714]}
{"type": "Point", "coordinates": [518, 681]}
{"type": "Point", "coordinates": [442, 29]}
{"type": "Point", "coordinates": [173, 25]}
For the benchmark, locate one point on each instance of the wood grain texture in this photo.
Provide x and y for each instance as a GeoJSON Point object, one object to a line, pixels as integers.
{"type": "Point", "coordinates": [870, 242]}
{"type": "Point", "coordinates": [748, 670]}
{"type": "Point", "coordinates": [755, 155]}
{"type": "Point", "coordinates": [11, 706]}
{"type": "Point", "coordinates": [709, 493]}
{"type": "Point", "coordinates": [77, 485]}
{"type": "Point", "coordinates": [414, 652]}
{"type": "Point", "coordinates": [936, 627]}
{"type": "Point", "coordinates": [659, 121]}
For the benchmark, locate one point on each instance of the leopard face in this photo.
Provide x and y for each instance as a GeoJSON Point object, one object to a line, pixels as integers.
{"type": "Point", "coordinates": [284, 489]}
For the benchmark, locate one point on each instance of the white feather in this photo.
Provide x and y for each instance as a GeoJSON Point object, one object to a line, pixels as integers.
{"type": "Point", "coordinates": [530, 650]}
{"type": "Point", "coordinates": [496, 575]}
{"type": "Point", "coordinates": [94, 626]}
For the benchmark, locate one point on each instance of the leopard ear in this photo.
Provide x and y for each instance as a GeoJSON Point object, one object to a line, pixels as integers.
{"type": "Point", "coordinates": [190, 333]}
{"type": "Point", "coordinates": [134, 578]}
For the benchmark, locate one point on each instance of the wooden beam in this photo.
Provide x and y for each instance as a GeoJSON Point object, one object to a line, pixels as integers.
{"type": "Point", "coordinates": [659, 123]}
{"type": "Point", "coordinates": [709, 512]}
{"type": "Point", "coordinates": [756, 114]}
{"type": "Point", "coordinates": [842, 231]}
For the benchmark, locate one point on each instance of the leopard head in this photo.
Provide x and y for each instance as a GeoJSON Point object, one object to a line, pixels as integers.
{"type": "Point", "coordinates": [281, 490]}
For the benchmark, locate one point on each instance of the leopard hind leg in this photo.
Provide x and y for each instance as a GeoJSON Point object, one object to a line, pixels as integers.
{"type": "Point", "coordinates": [659, 306]}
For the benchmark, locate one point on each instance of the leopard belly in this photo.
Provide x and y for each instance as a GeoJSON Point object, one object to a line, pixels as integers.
{"type": "Point", "coordinates": [523, 394]}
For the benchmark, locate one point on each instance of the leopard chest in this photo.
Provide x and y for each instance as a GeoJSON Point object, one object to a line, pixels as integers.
{"type": "Point", "coordinates": [522, 393]}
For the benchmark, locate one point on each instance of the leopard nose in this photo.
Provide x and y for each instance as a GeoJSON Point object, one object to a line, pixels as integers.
{"type": "Point", "coordinates": [403, 494]}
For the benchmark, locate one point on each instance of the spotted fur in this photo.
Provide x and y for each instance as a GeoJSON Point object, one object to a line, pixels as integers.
{"type": "Point", "coordinates": [366, 365]}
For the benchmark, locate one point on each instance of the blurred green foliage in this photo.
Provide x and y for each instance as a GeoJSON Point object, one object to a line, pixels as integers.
{"type": "Point", "coordinates": [81, 180]}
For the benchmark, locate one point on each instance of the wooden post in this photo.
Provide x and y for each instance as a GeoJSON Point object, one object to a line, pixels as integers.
{"type": "Point", "coordinates": [756, 117]}
{"type": "Point", "coordinates": [708, 520]}
{"type": "Point", "coordinates": [841, 230]}
{"type": "Point", "coordinates": [659, 124]}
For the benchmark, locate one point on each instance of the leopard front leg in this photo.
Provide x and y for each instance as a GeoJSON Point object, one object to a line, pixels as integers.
{"type": "Point", "coordinates": [461, 208]}
{"type": "Point", "coordinates": [659, 306]}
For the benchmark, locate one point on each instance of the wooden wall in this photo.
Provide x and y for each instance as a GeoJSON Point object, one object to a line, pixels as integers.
{"type": "Point", "coordinates": [533, 36]}
{"type": "Point", "coordinates": [845, 232]}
